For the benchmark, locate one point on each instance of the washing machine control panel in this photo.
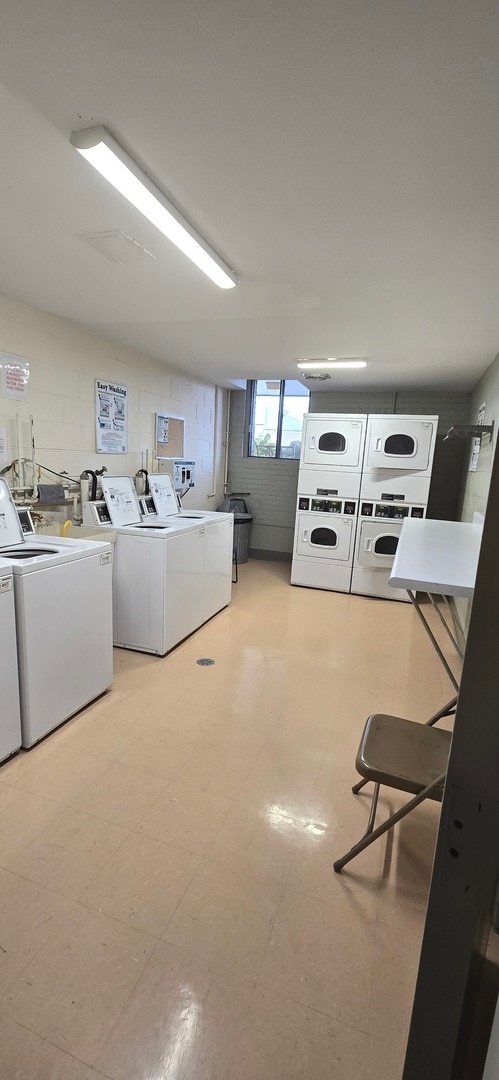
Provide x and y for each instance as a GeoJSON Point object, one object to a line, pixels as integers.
{"type": "Point", "coordinates": [96, 513]}
{"type": "Point", "coordinates": [392, 511]}
{"type": "Point", "coordinates": [146, 503]}
{"type": "Point", "coordinates": [25, 521]}
{"type": "Point", "coordinates": [328, 506]}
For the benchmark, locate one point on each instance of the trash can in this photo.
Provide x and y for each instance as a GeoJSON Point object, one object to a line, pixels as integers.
{"type": "Point", "coordinates": [236, 504]}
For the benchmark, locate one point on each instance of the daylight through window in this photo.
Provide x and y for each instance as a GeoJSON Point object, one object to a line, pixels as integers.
{"type": "Point", "coordinates": [277, 408]}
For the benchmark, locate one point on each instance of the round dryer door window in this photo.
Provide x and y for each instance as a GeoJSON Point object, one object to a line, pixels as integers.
{"type": "Point", "coordinates": [317, 537]}
{"type": "Point", "coordinates": [332, 442]}
{"type": "Point", "coordinates": [385, 545]}
{"type": "Point", "coordinates": [324, 537]}
{"type": "Point", "coordinates": [400, 445]}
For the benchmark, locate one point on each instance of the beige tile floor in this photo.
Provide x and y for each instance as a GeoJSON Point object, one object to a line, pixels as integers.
{"type": "Point", "coordinates": [168, 909]}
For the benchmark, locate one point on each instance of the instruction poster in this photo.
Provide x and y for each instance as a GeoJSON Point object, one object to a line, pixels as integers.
{"type": "Point", "coordinates": [111, 417]}
{"type": "Point", "coordinates": [15, 376]}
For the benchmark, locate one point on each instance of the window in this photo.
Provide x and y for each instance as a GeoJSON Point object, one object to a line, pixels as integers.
{"type": "Point", "coordinates": [276, 411]}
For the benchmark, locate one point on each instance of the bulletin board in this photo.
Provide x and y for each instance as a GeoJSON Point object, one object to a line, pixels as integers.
{"type": "Point", "coordinates": [169, 436]}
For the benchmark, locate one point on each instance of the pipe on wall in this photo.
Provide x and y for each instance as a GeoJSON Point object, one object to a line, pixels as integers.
{"type": "Point", "coordinates": [226, 442]}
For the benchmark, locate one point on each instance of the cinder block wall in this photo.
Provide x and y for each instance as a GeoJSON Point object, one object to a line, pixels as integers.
{"type": "Point", "coordinates": [273, 484]}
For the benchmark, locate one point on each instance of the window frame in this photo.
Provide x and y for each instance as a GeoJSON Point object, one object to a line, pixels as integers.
{"type": "Point", "coordinates": [251, 391]}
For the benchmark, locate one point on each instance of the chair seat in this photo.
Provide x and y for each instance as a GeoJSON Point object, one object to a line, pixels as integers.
{"type": "Point", "coordinates": [402, 754]}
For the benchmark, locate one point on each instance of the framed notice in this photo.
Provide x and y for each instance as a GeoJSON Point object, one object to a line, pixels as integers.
{"type": "Point", "coordinates": [111, 417]}
{"type": "Point", "coordinates": [169, 436]}
{"type": "Point", "coordinates": [15, 376]}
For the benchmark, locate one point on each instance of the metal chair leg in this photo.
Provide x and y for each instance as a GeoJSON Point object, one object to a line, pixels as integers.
{"type": "Point", "coordinates": [446, 710]}
{"type": "Point", "coordinates": [372, 814]}
{"type": "Point", "coordinates": [358, 787]}
{"type": "Point", "coordinates": [234, 563]}
{"type": "Point", "coordinates": [369, 839]}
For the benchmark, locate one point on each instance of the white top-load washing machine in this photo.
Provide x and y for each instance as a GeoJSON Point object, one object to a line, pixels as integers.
{"type": "Point", "coordinates": [10, 715]}
{"type": "Point", "coordinates": [171, 574]}
{"type": "Point", "coordinates": [162, 501]}
{"type": "Point", "coordinates": [63, 601]}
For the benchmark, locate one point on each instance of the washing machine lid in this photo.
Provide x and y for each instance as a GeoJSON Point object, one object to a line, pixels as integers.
{"type": "Point", "coordinates": [121, 500]}
{"type": "Point", "coordinates": [11, 533]}
{"type": "Point", "coordinates": [165, 499]}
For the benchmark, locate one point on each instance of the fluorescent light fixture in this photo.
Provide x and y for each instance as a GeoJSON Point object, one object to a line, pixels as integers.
{"type": "Point", "coordinates": [331, 362]}
{"type": "Point", "coordinates": [107, 156]}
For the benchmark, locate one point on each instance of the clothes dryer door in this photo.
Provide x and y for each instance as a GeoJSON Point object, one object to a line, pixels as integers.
{"type": "Point", "coordinates": [322, 537]}
{"type": "Point", "coordinates": [400, 443]}
{"type": "Point", "coordinates": [377, 544]}
{"type": "Point", "coordinates": [335, 442]}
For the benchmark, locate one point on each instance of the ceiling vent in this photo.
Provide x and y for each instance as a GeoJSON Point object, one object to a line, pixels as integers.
{"type": "Point", "coordinates": [118, 246]}
{"type": "Point", "coordinates": [316, 376]}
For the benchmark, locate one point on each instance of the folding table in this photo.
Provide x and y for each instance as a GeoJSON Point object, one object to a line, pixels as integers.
{"type": "Point", "coordinates": [438, 558]}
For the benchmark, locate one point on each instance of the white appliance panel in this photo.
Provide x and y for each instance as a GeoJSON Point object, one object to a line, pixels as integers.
{"type": "Point", "coordinates": [342, 484]}
{"type": "Point", "coordinates": [121, 498]}
{"type": "Point", "coordinates": [217, 582]}
{"type": "Point", "coordinates": [377, 543]}
{"type": "Point", "coordinates": [333, 442]}
{"type": "Point", "coordinates": [161, 489]}
{"type": "Point", "coordinates": [139, 585]}
{"type": "Point", "coordinates": [324, 536]}
{"type": "Point", "coordinates": [320, 574]}
{"type": "Point", "coordinates": [64, 623]}
{"type": "Point", "coordinates": [185, 608]}
{"type": "Point", "coordinates": [395, 484]}
{"type": "Point", "coordinates": [400, 442]}
{"type": "Point", "coordinates": [367, 582]}
{"type": "Point", "coordinates": [10, 717]}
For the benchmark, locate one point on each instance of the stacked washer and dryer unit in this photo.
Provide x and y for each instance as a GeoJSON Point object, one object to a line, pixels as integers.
{"type": "Point", "coordinates": [329, 479]}
{"type": "Point", "coordinates": [359, 477]}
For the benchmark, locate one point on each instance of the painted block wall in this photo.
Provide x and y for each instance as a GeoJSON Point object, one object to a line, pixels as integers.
{"type": "Point", "coordinates": [273, 484]}
{"type": "Point", "coordinates": [65, 359]}
{"type": "Point", "coordinates": [476, 484]}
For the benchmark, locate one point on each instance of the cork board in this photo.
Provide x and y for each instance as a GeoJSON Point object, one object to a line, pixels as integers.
{"type": "Point", "coordinates": [169, 436]}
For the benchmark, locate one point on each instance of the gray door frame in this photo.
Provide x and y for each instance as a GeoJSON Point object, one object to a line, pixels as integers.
{"type": "Point", "coordinates": [451, 1020]}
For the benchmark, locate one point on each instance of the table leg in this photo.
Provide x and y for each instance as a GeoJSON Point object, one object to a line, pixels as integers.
{"type": "Point", "coordinates": [443, 659]}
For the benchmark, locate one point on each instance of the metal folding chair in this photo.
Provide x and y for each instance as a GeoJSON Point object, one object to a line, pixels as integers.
{"type": "Point", "coordinates": [400, 754]}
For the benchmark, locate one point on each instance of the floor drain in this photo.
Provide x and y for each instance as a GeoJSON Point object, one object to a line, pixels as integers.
{"type": "Point", "coordinates": [205, 662]}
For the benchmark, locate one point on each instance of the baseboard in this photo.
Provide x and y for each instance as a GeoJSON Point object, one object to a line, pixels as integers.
{"type": "Point", "coordinates": [270, 556]}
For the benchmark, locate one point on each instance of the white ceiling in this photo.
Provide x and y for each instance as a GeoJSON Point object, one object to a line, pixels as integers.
{"type": "Point", "coordinates": [341, 155]}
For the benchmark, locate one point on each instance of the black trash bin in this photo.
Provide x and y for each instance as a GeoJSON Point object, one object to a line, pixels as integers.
{"type": "Point", "coordinates": [236, 504]}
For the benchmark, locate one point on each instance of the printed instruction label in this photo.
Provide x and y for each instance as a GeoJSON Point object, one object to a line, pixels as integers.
{"type": "Point", "coordinates": [15, 376]}
{"type": "Point", "coordinates": [111, 417]}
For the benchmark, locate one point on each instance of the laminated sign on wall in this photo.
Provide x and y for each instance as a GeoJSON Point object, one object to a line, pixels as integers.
{"type": "Point", "coordinates": [477, 443]}
{"type": "Point", "coordinates": [111, 417]}
{"type": "Point", "coordinates": [15, 376]}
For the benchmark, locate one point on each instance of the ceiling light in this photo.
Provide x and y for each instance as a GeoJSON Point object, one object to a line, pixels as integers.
{"type": "Point", "coordinates": [106, 155]}
{"type": "Point", "coordinates": [331, 362]}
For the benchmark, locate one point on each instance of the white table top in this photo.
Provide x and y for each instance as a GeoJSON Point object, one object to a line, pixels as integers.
{"type": "Point", "coordinates": [437, 557]}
